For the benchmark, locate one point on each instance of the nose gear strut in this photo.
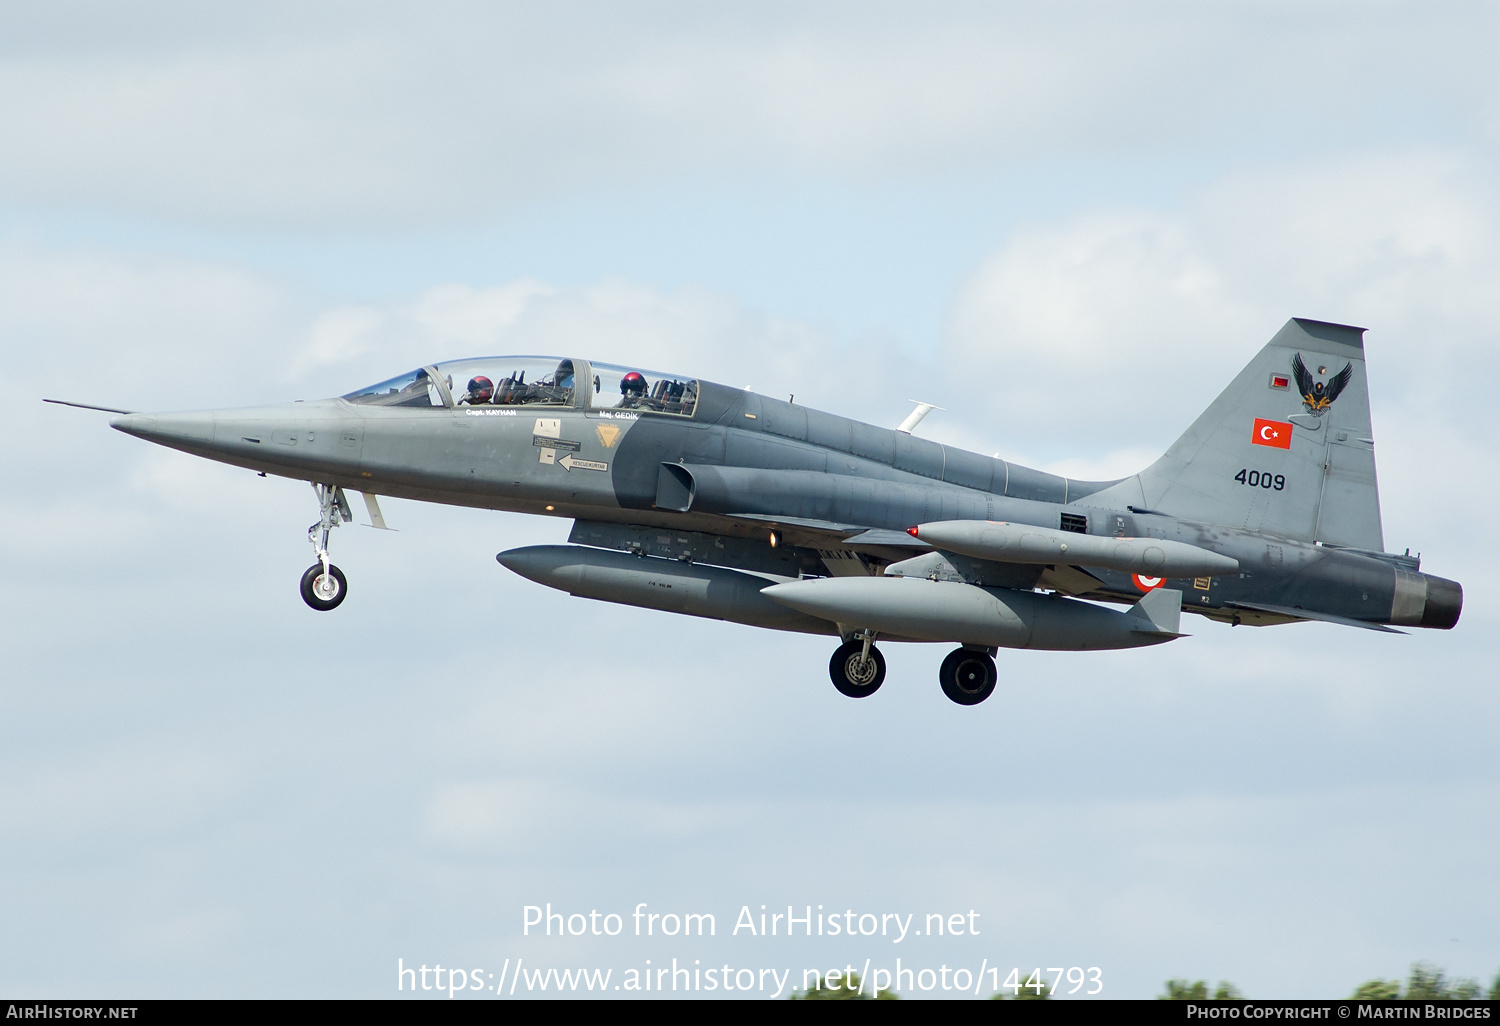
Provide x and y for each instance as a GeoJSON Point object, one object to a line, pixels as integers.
{"type": "Point", "coordinates": [323, 585]}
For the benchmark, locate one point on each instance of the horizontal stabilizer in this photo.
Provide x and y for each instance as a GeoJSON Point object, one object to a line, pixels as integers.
{"type": "Point", "coordinates": [1308, 614]}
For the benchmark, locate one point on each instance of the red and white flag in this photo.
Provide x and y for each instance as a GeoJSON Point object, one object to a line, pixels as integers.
{"type": "Point", "coordinates": [1275, 433]}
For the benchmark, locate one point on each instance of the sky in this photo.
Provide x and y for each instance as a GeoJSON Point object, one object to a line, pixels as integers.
{"type": "Point", "coordinates": [1069, 225]}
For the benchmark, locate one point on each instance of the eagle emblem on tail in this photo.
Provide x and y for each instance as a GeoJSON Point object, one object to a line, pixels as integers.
{"type": "Point", "coordinates": [1317, 396]}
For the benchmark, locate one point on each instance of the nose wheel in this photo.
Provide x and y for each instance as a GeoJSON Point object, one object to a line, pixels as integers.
{"type": "Point", "coordinates": [323, 585]}
{"type": "Point", "coordinates": [324, 588]}
{"type": "Point", "coordinates": [857, 667]}
{"type": "Point", "coordinates": [968, 676]}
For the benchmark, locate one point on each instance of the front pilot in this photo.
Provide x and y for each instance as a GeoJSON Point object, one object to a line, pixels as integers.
{"type": "Point", "coordinates": [481, 391]}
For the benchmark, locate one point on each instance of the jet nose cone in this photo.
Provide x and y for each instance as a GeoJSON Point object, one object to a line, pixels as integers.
{"type": "Point", "coordinates": [179, 430]}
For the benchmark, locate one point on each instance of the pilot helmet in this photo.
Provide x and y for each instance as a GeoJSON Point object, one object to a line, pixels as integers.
{"type": "Point", "coordinates": [564, 376]}
{"type": "Point", "coordinates": [481, 389]}
{"type": "Point", "coordinates": [633, 384]}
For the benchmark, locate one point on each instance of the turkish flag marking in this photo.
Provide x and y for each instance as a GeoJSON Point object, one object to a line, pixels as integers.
{"type": "Point", "coordinates": [1274, 433]}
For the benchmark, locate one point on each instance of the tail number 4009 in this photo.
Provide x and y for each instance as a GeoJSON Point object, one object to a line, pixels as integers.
{"type": "Point", "coordinates": [1261, 479]}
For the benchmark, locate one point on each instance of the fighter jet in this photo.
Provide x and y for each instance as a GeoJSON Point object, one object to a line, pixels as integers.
{"type": "Point", "coordinates": [697, 498]}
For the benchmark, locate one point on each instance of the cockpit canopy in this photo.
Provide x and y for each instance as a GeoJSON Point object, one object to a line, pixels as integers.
{"type": "Point", "coordinates": [534, 381]}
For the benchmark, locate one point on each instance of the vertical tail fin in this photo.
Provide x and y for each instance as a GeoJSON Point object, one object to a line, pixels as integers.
{"type": "Point", "coordinates": [1285, 449]}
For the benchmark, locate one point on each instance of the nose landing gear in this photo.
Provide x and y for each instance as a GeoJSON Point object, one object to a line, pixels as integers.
{"type": "Point", "coordinates": [323, 589]}
{"type": "Point", "coordinates": [323, 585]}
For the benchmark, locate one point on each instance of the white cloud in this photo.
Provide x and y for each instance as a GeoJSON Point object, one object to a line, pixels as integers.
{"type": "Point", "coordinates": [338, 336]}
{"type": "Point", "coordinates": [123, 328]}
{"type": "Point", "coordinates": [1133, 317]}
{"type": "Point", "coordinates": [311, 115]}
{"type": "Point", "coordinates": [524, 815]}
{"type": "Point", "coordinates": [401, 775]}
{"type": "Point", "coordinates": [126, 790]}
{"type": "Point", "coordinates": [1096, 320]}
{"type": "Point", "coordinates": [1393, 240]}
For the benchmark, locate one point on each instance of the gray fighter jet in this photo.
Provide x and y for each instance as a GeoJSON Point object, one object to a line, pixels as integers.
{"type": "Point", "coordinates": [691, 497]}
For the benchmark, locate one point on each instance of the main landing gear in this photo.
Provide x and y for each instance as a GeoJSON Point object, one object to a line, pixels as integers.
{"type": "Point", "coordinates": [323, 585]}
{"type": "Point", "coordinates": [968, 676]}
{"type": "Point", "coordinates": [857, 668]}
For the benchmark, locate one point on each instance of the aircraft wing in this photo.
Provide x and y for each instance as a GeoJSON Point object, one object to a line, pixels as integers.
{"type": "Point", "coordinates": [879, 538]}
{"type": "Point", "coordinates": [802, 523]}
{"type": "Point", "coordinates": [882, 543]}
{"type": "Point", "coordinates": [1070, 580]}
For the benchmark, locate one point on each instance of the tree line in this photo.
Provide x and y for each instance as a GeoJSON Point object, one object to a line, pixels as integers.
{"type": "Point", "coordinates": [1425, 982]}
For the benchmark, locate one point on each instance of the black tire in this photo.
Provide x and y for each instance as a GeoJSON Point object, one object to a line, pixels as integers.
{"type": "Point", "coordinates": [968, 676]}
{"type": "Point", "coordinates": [319, 598]}
{"type": "Point", "coordinates": [852, 679]}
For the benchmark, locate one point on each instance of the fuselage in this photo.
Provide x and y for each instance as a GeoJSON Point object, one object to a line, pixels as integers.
{"type": "Point", "coordinates": [757, 470]}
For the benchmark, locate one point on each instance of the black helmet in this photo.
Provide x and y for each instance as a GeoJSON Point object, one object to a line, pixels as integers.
{"type": "Point", "coordinates": [481, 389]}
{"type": "Point", "coordinates": [633, 384]}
